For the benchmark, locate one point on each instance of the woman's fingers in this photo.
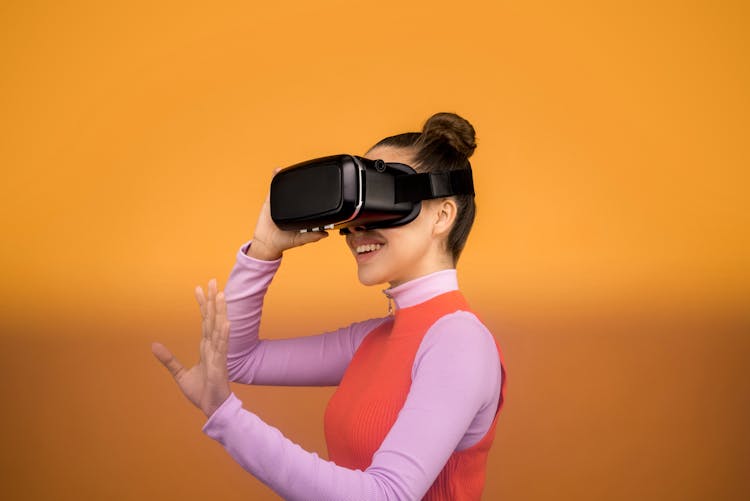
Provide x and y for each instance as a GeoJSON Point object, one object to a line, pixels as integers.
{"type": "Point", "coordinates": [202, 302]}
{"type": "Point", "coordinates": [224, 340]}
{"type": "Point", "coordinates": [167, 359]}
{"type": "Point", "coordinates": [207, 306]}
{"type": "Point", "coordinates": [221, 319]}
{"type": "Point", "coordinates": [201, 298]}
{"type": "Point", "coordinates": [213, 310]}
{"type": "Point", "coordinates": [211, 315]}
{"type": "Point", "coordinates": [308, 237]}
{"type": "Point", "coordinates": [221, 310]}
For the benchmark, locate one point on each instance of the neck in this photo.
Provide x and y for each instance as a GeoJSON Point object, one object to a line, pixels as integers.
{"type": "Point", "coordinates": [422, 288]}
{"type": "Point", "coordinates": [435, 260]}
{"type": "Point", "coordinates": [423, 273]}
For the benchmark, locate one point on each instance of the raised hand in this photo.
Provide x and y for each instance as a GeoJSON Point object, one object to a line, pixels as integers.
{"type": "Point", "coordinates": [205, 384]}
{"type": "Point", "coordinates": [270, 241]}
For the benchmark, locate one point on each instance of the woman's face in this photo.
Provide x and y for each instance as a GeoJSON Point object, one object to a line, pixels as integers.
{"type": "Point", "coordinates": [397, 255]}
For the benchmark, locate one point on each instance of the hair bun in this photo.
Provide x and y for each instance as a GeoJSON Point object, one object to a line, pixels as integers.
{"type": "Point", "coordinates": [452, 128]}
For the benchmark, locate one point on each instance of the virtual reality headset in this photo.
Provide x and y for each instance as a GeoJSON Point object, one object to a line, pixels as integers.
{"type": "Point", "coordinates": [346, 191]}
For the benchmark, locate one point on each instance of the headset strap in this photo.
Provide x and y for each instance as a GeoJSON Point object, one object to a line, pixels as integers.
{"type": "Point", "coordinates": [427, 185]}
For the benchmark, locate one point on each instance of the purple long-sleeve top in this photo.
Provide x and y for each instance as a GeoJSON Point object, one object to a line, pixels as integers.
{"type": "Point", "coordinates": [451, 404]}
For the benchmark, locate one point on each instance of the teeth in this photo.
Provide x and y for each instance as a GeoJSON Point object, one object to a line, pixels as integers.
{"type": "Point", "coordinates": [368, 248]}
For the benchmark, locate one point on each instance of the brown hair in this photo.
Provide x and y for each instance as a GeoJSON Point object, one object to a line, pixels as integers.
{"type": "Point", "coordinates": [445, 143]}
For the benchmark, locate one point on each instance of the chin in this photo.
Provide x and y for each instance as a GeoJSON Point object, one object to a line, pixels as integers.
{"type": "Point", "coordinates": [366, 280]}
{"type": "Point", "coordinates": [367, 277]}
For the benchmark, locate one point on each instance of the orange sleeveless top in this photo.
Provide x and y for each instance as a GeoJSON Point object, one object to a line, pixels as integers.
{"type": "Point", "coordinates": [374, 389]}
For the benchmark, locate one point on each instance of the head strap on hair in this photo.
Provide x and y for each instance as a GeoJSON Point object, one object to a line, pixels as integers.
{"type": "Point", "coordinates": [429, 185]}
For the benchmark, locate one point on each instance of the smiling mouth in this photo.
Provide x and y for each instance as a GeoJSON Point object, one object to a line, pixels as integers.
{"type": "Point", "coordinates": [364, 249]}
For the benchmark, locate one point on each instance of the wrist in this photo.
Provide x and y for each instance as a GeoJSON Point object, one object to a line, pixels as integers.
{"type": "Point", "coordinates": [258, 250]}
{"type": "Point", "coordinates": [210, 408]}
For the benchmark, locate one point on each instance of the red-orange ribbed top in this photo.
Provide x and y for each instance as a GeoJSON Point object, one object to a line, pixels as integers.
{"type": "Point", "coordinates": [374, 389]}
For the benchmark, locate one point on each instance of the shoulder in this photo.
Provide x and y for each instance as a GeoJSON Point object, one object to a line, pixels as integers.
{"type": "Point", "coordinates": [460, 327]}
{"type": "Point", "coordinates": [458, 351]}
{"type": "Point", "coordinates": [461, 337]}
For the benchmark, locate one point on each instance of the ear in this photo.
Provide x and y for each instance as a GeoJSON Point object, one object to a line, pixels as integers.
{"type": "Point", "coordinates": [444, 216]}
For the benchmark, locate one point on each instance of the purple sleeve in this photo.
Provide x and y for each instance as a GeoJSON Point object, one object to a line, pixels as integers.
{"type": "Point", "coordinates": [454, 395]}
{"type": "Point", "coordinates": [317, 360]}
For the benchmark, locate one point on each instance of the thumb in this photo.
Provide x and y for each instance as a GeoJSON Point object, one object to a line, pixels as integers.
{"type": "Point", "coordinates": [165, 357]}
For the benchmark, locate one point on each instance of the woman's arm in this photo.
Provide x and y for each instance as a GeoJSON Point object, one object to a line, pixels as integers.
{"type": "Point", "coordinates": [317, 360]}
{"type": "Point", "coordinates": [309, 360]}
{"type": "Point", "coordinates": [451, 403]}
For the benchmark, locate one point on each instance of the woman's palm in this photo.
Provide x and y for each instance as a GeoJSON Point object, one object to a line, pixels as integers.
{"type": "Point", "coordinates": [206, 384]}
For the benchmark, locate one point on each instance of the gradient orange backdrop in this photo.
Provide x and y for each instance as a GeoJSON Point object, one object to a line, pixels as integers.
{"type": "Point", "coordinates": [610, 256]}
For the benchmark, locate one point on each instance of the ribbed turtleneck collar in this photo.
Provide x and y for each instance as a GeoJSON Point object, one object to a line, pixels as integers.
{"type": "Point", "coordinates": [423, 288]}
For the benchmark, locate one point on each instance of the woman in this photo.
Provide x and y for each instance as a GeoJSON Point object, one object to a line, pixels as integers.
{"type": "Point", "coordinates": [419, 390]}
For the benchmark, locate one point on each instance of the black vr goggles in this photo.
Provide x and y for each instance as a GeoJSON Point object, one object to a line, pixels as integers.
{"type": "Point", "coordinates": [347, 191]}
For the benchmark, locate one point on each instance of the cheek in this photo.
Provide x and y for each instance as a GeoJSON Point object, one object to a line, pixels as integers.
{"type": "Point", "coordinates": [409, 248]}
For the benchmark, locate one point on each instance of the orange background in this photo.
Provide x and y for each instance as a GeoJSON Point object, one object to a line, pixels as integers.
{"type": "Point", "coordinates": [610, 255]}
